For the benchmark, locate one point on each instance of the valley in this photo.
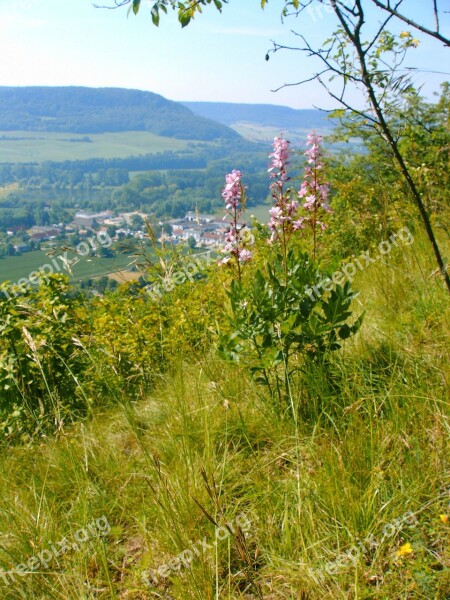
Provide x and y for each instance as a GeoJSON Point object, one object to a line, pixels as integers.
{"type": "Point", "coordinates": [76, 151]}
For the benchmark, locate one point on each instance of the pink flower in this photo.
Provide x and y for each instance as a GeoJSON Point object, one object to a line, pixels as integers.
{"type": "Point", "coordinates": [233, 189]}
{"type": "Point", "coordinates": [279, 156]}
{"type": "Point", "coordinates": [234, 243]}
{"type": "Point", "coordinates": [284, 211]}
{"type": "Point", "coordinates": [303, 190]}
{"type": "Point", "coordinates": [310, 202]}
{"type": "Point", "coordinates": [313, 188]}
{"type": "Point", "coordinates": [292, 207]}
{"type": "Point", "coordinates": [299, 224]}
{"type": "Point", "coordinates": [275, 212]}
{"type": "Point", "coordinates": [313, 193]}
{"type": "Point", "coordinates": [245, 255]}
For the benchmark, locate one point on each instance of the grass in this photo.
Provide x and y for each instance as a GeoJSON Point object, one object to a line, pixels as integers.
{"type": "Point", "coordinates": [41, 146]}
{"type": "Point", "coordinates": [13, 268]}
{"type": "Point", "coordinates": [370, 446]}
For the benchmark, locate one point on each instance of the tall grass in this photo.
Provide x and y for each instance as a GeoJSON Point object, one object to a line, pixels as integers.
{"type": "Point", "coordinates": [369, 444]}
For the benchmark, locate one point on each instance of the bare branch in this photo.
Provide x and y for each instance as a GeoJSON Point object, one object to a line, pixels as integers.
{"type": "Point", "coordinates": [117, 4]}
{"type": "Point", "coordinates": [313, 78]}
{"type": "Point", "coordinates": [345, 104]}
{"type": "Point", "coordinates": [376, 36]}
{"type": "Point", "coordinates": [436, 15]}
{"type": "Point", "coordinates": [433, 33]}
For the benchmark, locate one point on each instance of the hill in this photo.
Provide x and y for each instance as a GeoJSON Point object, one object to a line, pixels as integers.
{"type": "Point", "coordinates": [261, 122]}
{"type": "Point", "coordinates": [262, 114]}
{"type": "Point", "coordinates": [102, 110]}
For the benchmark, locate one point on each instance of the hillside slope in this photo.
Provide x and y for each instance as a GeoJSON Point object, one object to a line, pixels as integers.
{"type": "Point", "coordinates": [101, 110]}
{"type": "Point", "coordinates": [262, 114]}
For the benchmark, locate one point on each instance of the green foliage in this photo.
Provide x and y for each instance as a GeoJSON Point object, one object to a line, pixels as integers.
{"type": "Point", "coordinates": [39, 362]}
{"type": "Point", "coordinates": [168, 183]}
{"type": "Point", "coordinates": [62, 352]}
{"type": "Point", "coordinates": [278, 321]}
{"type": "Point", "coordinates": [186, 10]}
{"type": "Point", "coordinates": [90, 110]}
{"type": "Point", "coordinates": [173, 193]}
{"type": "Point", "coordinates": [368, 193]}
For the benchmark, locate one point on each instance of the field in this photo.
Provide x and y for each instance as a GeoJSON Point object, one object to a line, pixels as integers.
{"type": "Point", "coordinates": [296, 135]}
{"type": "Point", "coordinates": [31, 146]}
{"type": "Point", "coordinates": [265, 133]}
{"type": "Point", "coordinates": [14, 268]}
{"type": "Point", "coordinates": [124, 275]}
{"type": "Point", "coordinates": [260, 212]}
{"type": "Point", "coordinates": [7, 189]}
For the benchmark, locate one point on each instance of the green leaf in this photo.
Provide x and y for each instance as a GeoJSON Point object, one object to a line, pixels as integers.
{"type": "Point", "coordinates": [184, 18]}
{"type": "Point", "coordinates": [345, 332]}
{"type": "Point", "coordinates": [155, 16]}
{"type": "Point", "coordinates": [136, 6]}
{"type": "Point", "coordinates": [357, 324]}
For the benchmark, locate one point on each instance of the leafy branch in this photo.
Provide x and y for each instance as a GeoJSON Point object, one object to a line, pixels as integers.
{"type": "Point", "coordinates": [186, 10]}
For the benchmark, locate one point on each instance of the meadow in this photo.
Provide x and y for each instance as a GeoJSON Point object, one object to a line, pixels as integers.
{"type": "Point", "coordinates": [13, 268]}
{"type": "Point", "coordinates": [265, 428]}
{"type": "Point", "coordinates": [350, 501]}
{"type": "Point", "coordinates": [38, 146]}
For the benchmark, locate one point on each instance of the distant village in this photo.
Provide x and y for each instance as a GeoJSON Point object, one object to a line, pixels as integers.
{"type": "Point", "coordinates": [199, 230]}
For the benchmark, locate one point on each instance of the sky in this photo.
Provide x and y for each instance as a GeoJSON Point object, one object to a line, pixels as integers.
{"type": "Point", "coordinates": [218, 57]}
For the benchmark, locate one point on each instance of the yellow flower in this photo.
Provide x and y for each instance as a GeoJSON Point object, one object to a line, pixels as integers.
{"type": "Point", "coordinates": [444, 519]}
{"type": "Point", "coordinates": [405, 549]}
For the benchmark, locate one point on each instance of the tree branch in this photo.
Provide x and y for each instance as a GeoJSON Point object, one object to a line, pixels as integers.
{"type": "Point", "coordinates": [117, 4]}
{"type": "Point", "coordinates": [436, 15]}
{"type": "Point", "coordinates": [433, 33]}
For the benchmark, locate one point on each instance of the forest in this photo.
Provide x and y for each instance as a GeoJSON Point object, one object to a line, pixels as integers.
{"type": "Point", "coordinates": [167, 184]}
{"type": "Point", "coordinates": [88, 110]}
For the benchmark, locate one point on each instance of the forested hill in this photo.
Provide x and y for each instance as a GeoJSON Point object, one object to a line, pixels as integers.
{"type": "Point", "coordinates": [261, 114]}
{"type": "Point", "coordinates": [101, 110]}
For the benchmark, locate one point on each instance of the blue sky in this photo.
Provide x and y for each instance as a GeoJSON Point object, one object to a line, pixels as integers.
{"type": "Point", "coordinates": [217, 58]}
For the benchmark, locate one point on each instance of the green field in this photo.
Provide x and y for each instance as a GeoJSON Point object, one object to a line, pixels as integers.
{"type": "Point", "coordinates": [260, 212]}
{"type": "Point", "coordinates": [14, 268]}
{"type": "Point", "coordinates": [31, 146]}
